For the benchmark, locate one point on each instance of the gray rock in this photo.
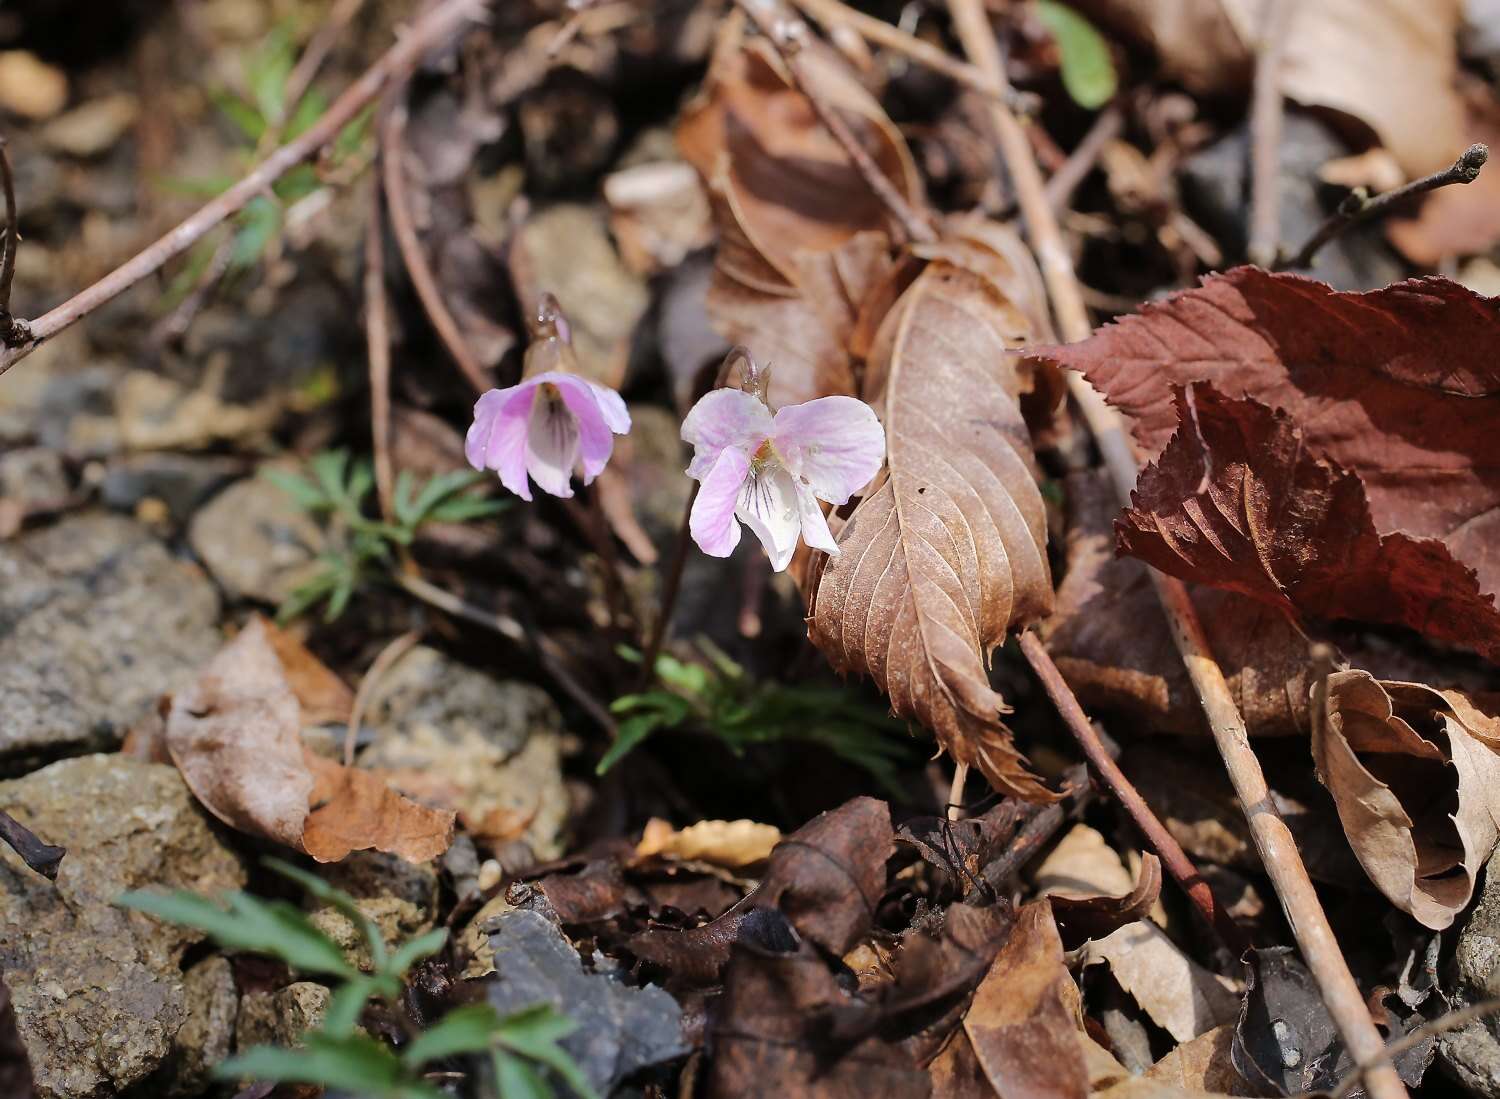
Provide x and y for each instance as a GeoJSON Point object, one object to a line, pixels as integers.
{"type": "Point", "coordinates": [180, 481]}
{"type": "Point", "coordinates": [490, 748]}
{"type": "Point", "coordinates": [97, 620]}
{"type": "Point", "coordinates": [620, 1030]}
{"type": "Point", "coordinates": [207, 1035]}
{"type": "Point", "coordinates": [1215, 191]}
{"type": "Point", "coordinates": [255, 541]}
{"type": "Point", "coordinates": [1471, 1053]}
{"type": "Point", "coordinates": [33, 475]}
{"type": "Point", "coordinates": [99, 994]}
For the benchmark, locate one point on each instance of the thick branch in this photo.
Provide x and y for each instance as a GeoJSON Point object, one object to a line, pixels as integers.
{"type": "Point", "coordinates": [1272, 839]}
{"type": "Point", "coordinates": [439, 25]}
{"type": "Point", "coordinates": [1359, 206]}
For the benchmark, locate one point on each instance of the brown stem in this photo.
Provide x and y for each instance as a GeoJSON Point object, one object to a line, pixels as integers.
{"type": "Point", "coordinates": [1359, 206]}
{"type": "Point", "coordinates": [786, 33]}
{"type": "Point", "coordinates": [1266, 113]}
{"type": "Point", "coordinates": [8, 260]}
{"type": "Point", "coordinates": [1173, 857]}
{"type": "Point", "coordinates": [378, 348]}
{"type": "Point", "coordinates": [36, 853]}
{"type": "Point", "coordinates": [1081, 160]}
{"type": "Point", "coordinates": [393, 156]}
{"type": "Point", "coordinates": [1273, 841]}
{"type": "Point", "coordinates": [669, 593]}
{"type": "Point", "coordinates": [384, 660]}
{"type": "Point", "coordinates": [834, 13]}
{"type": "Point", "coordinates": [433, 29]}
{"type": "Point", "coordinates": [318, 48]}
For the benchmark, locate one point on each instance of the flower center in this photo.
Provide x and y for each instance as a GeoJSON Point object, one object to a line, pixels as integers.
{"type": "Point", "coordinates": [763, 456]}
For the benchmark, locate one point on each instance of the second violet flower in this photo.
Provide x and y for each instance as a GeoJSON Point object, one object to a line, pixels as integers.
{"type": "Point", "coordinates": [769, 471]}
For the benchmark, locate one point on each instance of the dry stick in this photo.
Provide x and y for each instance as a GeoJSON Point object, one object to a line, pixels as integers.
{"type": "Point", "coordinates": [507, 627]}
{"type": "Point", "coordinates": [787, 33]}
{"type": "Point", "coordinates": [12, 329]}
{"type": "Point", "coordinates": [433, 29]}
{"type": "Point", "coordinates": [317, 51]}
{"type": "Point", "coordinates": [1413, 1038]}
{"type": "Point", "coordinates": [388, 655]}
{"type": "Point", "coordinates": [393, 149]}
{"type": "Point", "coordinates": [1081, 160]}
{"type": "Point", "coordinates": [1359, 206]}
{"type": "Point", "coordinates": [36, 853]}
{"type": "Point", "coordinates": [833, 13]}
{"type": "Point", "coordinates": [1273, 840]}
{"type": "Point", "coordinates": [1266, 113]}
{"type": "Point", "coordinates": [378, 349]}
{"type": "Point", "coordinates": [1173, 857]}
{"type": "Point", "coordinates": [956, 789]}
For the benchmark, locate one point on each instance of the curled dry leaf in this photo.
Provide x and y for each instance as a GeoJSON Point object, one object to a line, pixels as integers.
{"type": "Point", "coordinates": [1239, 500]}
{"type": "Point", "coordinates": [732, 843]}
{"type": "Point", "coordinates": [236, 737]}
{"type": "Point", "coordinates": [1399, 386]}
{"type": "Point", "coordinates": [1182, 997]}
{"type": "Point", "coordinates": [949, 550]}
{"type": "Point", "coordinates": [1415, 773]}
{"type": "Point", "coordinates": [802, 237]}
{"type": "Point", "coordinates": [1023, 1024]}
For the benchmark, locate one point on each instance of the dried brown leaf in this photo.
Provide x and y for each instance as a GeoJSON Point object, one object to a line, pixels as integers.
{"type": "Point", "coordinates": [1023, 1023]}
{"type": "Point", "coordinates": [325, 699]}
{"type": "Point", "coordinates": [732, 843]}
{"type": "Point", "coordinates": [948, 551]}
{"type": "Point", "coordinates": [1415, 774]}
{"type": "Point", "coordinates": [1181, 996]}
{"type": "Point", "coordinates": [1399, 386]}
{"type": "Point", "coordinates": [1239, 500]}
{"type": "Point", "coordinates": [236, 737]}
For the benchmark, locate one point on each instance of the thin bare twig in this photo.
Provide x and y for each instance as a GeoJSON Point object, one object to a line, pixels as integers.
{"type": "Point", "coordinates": [1173, 857]}
{"type": "Point", "coordinates": [398, 647]}
{"type": "Point", "coordinates": [36, 853]}
{"type": "Point", "coordinates": [12, 331]}
{"type": "Point", "coordinates": [393, 171]}
{"type": "Point", "coordinates": [834, 13]}
{"type": "Point", "coordinates": [786, 32]}
{"type": "Point", "coordinates": [378, 349]}
{"type": "Point", "coordinates": [1081, 160]}
{"type": "Point", "coordinates": [1359, 206]}
{"type": "Point", "coordinates": [318, 48]}
{"type": "Point", "coordinates": [1267, 110]}
{"type": "Point", "coordinates": [439, 25]}
{"type": "Point", "coordinates": [1273, 840]}
{"type": "Point", "coordinates": [956, 789]}
{"type": "Point", "coordinates": [1415, 1037]}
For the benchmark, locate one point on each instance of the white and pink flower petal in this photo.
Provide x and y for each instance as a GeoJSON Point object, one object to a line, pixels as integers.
{"type": "Point", "coordinates": [768, 506]}
{"type": "Point", "coordinates": [712, 523]}
{"type": "Point", "coordinates": [815, 530]}
{"type": "Point", "coordinates": [836, 444]}
{"type": "Point", "coordinates": [552, 443]}
{"type": "Point", "coordinates": [724, 418]}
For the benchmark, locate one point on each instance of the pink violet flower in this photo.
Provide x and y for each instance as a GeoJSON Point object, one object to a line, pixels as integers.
{"type": "Point", "coordinates": [546, 426]}
{"type": "Point", "coordinates": [769, 472]}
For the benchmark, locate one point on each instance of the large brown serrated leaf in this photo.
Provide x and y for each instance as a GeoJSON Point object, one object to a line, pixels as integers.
{"type": "Point", "coordinates": [1415, 773]}
{"type": "Point", "coordinates": [949, 550]}
{"type": "Point", "coordinates": [236, 737]}
{"type": "Point", "coordinates": [1238, 500]}
{"type": "Point", "coordinates": [1400, 386]}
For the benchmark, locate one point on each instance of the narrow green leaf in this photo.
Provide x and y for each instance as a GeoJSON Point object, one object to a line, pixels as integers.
{"type": "Point", "coordinates": [628, 736]}
{"type": "Point", "coordinates": [468, 1029]}
{"type": "Point", "coordinates": [348, 1003]}
{"type": "Point", "coordinates": [340, 900]}
{"type": "Point", "coordinates": [243, 115]}
{"type": "Point", "coordinates": [303, 492]}
{"type": "Point", "coordinates": [355, 1062]}
{"type": "Point", "coordinates": [461, 509]}
{"type": "Point", "coordinates": [515, 1079]}
{"type": "Point", "coordinates": [413, 951]}
{"type": "Point", "coordinates": [534, 1033]}
{"type": "Point", "coordinates": [258, 222]}
{"type": "Point", "coordinates": [250, 924]}
{"type": "Point", "coordinates": [1088, 71]}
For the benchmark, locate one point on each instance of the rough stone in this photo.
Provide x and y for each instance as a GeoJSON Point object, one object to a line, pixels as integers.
{"type": "Point", "coordinates": [207, 1035]}
{"type": "Point", "coordinates": [98, 992]}
{"type": "Point", "coordinates": [400, 896]}
{"type": "Point", "coordinates": [255, 541]}
{"type": "Point", "coordinates": [490, 749]}
{"type": "Point", "coordinates": [179, 481]}
{"type": "Point", "coordinates": [97, 620]}
{"type": "Point", "coordinates": [1471, 1053]}
{"type": "Point", "coordinates": [282, 1017]}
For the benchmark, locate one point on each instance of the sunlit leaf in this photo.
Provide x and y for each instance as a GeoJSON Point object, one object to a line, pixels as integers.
{"type": "Point", "coordinates": [1088, 71]}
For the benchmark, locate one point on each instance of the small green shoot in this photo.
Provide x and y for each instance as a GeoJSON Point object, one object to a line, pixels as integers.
{"type": "Point", "coordinates": [337, 1054]}
{"type": "Point", "coordinates": [1088, 71]}
{"type": "Point", "coordinates": [719, 698]}
{"type": "Point", "coordinates": [361, 546]}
